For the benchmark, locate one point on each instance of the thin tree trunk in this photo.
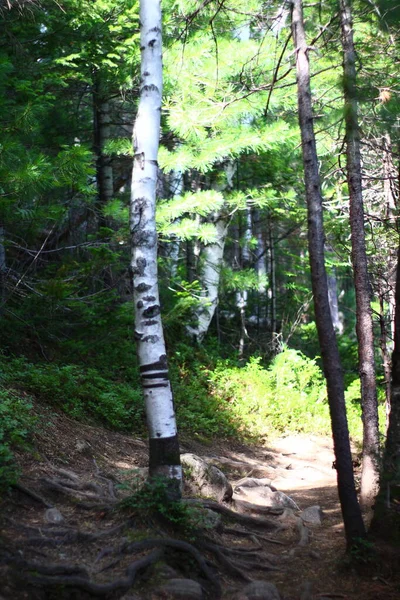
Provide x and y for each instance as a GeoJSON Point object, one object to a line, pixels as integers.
{"type": "Point", "coordinates": [211, 258]}
{"type": "Point", "coordinates": [385, 356]}
{"type": "Point", "coordinates": [364, 325]}
{"type": "Point", "coordinates": [386, 518]}
{"type": "Point", "coordinates": [3, 268]}
{"type": "Point", "coordinates": [261, 270]}
{"type": "Point", "coordinates": [164, 446]}
{"type": "Point", "coordinates": [275, 343]}
{"type": "Point", "coordinates": [102, 132]}
{"type": "Point", "coordinates": [353, 523]}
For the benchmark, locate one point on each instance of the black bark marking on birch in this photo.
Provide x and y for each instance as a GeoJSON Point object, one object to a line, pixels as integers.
{"type": "Point", "coordinates": [149, 322]}
{"type": "Point", "coordinates": [152, 311]}
{"type": "Point", "coordinates": [149, 88]}
{"type": "Point", "coordinates": [146, 74]}
{"type": "Point", "coordinates": [155, 30]}
{"type": "Point", "coordinates": [145, 238]}
{"type": "Point", "coordinates": [152, 43]}
{"type": "Point", "coordinates": [142, 287]}
{"type": "Point", "coordinates": [137, 335]}
{"type": "Point", "coordinates": [140, 304]}
{"type": "Point", "coordinates": [151, 339]}
{"type": "Point", "coordinates": [164, 451]}
{"type": "Point", "coordinates": [156, 375]}
{"type": "Point", "coordinates": [149, 298]}
{"type": "Point", "coordinates": [139, 158]}
{"type": "Point", "coordinates": [149, 384]}
{"type": "Point", "coordinates": [159, 365]}
{"type": "Point", "coordinates": [141, 265]}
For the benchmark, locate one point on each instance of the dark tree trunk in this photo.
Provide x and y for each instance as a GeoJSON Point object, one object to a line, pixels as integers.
{"type": "Point", "coordinates": [353, 523]}
{"type": "Point", "coordinates": [364, 325]}
{"type": "Point", "coordinates": [104, 170]}
{"type": "Point", "coordinates": [386, 521]}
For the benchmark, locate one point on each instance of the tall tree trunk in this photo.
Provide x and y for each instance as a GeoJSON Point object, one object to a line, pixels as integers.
{"type": "Point", "coordinates": [261, 270]}
{"type": "Point", "coordinates": [3, 268]}
{"type": "Point", "coordinates": [385, 355]}
{"type": "Point", "coordinates": [386, 521]}
{"type": "Point", "coordinates": [353, 523]}
{"type": "Point", "coordinates": [245, 259]}
{"type": "Point", "coordinates": [364, 325]}
{"type": "Point", "coordinates": [164, 446]}
{"type": "Point", "coordinates": [102, 132]}
{"type": "Point", "coordinates": [275, 342]}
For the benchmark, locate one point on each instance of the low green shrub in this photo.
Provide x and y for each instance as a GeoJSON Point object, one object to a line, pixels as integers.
{"type": "Point", "coordinates": [16, 424]}
{"type": "Point", "coordinates": [80, 392]}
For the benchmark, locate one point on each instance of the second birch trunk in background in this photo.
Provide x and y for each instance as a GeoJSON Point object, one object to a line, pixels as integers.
{"type": "Point", "coordinates": [164, 457]}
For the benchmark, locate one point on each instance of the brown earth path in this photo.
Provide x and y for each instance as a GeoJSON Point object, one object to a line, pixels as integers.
{"type": "Point", "coordinates": [298, 465]}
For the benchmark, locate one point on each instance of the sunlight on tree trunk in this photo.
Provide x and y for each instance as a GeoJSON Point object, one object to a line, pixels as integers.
{"type": "Point", "coordinates": [164, 446]}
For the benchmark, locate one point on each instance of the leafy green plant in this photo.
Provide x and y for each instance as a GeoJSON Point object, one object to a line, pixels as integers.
{"type": "Point", "coordinates": [16, 424]}
{"type": "Point", "coordinates": [80, 392]}
{"type": "Point", "coordinates": [153, 500]}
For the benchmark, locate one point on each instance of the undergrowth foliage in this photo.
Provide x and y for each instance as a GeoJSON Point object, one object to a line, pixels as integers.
{"type": "Point", "coordinates": [215, 397]}
{"type": "Point", "coordinates": [16, 425]}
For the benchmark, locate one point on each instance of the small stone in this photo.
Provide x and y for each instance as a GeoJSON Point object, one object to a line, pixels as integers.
{"type": "Point", "coordinates": [312, 515]}
{"type": "Point", "coordinates": [53, 515]}
{"type": "Point", "coordinates": [83, 447]}
{"type": "Point", "coordinates": [179, 589]}
{"type": "Point", "coordinates": [258, 590]}
{"type": "Point", "coordinates": [166, 572]}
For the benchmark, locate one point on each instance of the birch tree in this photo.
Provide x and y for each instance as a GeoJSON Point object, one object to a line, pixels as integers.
{"type": "Point", "coordinates": [163, 439]}
{"type": "Point", "coordinates": [353, 523]}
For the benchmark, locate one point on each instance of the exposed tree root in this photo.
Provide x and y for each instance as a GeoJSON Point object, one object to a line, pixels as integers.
{"type": "Point", "coordinates": [68, 536]}
{"type": "Point", "coordinates": [73, 576]}
{"type": "Point", "coordinates": [243, 519]}
{"type": "Point", "coordinates": [254, 537]}
{"type": "Point", "coordinates": [32, 494]}
{"type": "Point", "coordinates": [179, 545]}
{"type": "Point", "coordinates": [69, 576]}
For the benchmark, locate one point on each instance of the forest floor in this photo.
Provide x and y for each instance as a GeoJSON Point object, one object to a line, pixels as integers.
{"type": "Point", "coordinates": [74, 467]}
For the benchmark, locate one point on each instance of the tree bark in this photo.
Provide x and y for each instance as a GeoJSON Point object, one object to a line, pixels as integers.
{"type": "Point", "coordinates": [386, 521]}
{"type": "Point", "coordinates": [102, 129]}
{"type": "Point", "coordinates": [353, 523]}
{"type": "Point", "coordinates": [364, 325]}
{"type": "Point", "coordinates": [211, 258]}
{"type": "Point", "coordinates": [3, 268]}
{"type": "Point", "coordinates": [164, 446]}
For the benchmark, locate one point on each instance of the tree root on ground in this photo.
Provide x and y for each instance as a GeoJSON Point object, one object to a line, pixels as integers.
{"type": "Point", "coordinates": [32, 494]}
{"type": "Point", "coordinates": [238, 561]}
{"type": "Point", "coordinates": [254, 537]}
{"type": "Point", "coordinates": [72, 576]}
{"type": "Point", "coordinates": [243, 519]}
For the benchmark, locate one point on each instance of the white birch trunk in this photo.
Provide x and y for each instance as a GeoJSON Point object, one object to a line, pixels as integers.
{"type": "Point", "coordinates": [212, 256]}
{"type": "Point", "coordinates": [164, 446]}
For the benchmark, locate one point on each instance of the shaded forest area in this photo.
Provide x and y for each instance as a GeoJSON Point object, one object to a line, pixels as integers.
{"type": "Point", "coordinates": [241, 253]}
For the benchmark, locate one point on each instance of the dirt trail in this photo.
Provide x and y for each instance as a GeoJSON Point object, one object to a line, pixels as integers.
{"type": "Point", "coordinates": [72, 453]}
